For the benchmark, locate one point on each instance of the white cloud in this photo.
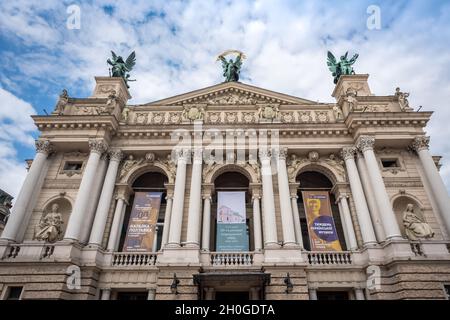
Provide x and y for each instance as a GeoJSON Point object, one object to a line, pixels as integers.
{"type": "Point", "coordinates": [16, 128]}
{"type": "Point", "coordinates": [286, 42]}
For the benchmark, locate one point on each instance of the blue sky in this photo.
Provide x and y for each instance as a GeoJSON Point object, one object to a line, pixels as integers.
{"type": "Point", "coordinates": [176, 43]}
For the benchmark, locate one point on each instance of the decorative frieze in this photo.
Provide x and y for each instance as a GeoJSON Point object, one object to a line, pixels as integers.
{"type": "Point", "coordinates": [193, 112]}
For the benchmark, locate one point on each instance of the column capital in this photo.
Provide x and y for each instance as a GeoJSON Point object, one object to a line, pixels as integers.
{"type": "Point", "coordinates": [206, 197]}
{"type": "Point", "coordinates": [348, 153]}
{"type": "Point", "coordinates": [116, 155]}
{"type": "Point", "coordinates": [280, 153]}
{"type": "Point", "coordinates": [182, 154]}
{"type": "Point", "coordinates": [420, 143]}
{"type": "Point", "coordinates": [264, 154]}
{"type": "Point", "coordinates": [97, 145]}
{"type": "Point", "coordinates": [365, 143]}
{"type": "Point", "coordinates": [44, 146]}
{"type": "Point", "coordinates": [197, 154]}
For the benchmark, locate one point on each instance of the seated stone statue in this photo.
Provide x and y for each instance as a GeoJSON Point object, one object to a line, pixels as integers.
{"type": "Point", "coordinates": [415, 228]}
{"type": "Point", "coordinates": [50, 227]}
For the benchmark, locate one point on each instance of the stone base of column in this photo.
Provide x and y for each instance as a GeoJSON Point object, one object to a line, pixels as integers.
{"type": "Point", "coordinates": [192, 245]}
{"type": "Point", "coordinates": [287, 256]}
{"type": "Point", "coordinates": [172, 246]}
{"type": "Point", "coordinates": [179, 256]}
{"type": "Point", "coordinates": [291, 245]}
{"type": "Point", "coordinates": [271, 245]}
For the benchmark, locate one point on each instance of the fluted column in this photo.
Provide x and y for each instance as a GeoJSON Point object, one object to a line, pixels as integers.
{"type": "Point", "coordinates": [362, 211]}
{"type": "Point", "coordinates": [296, 216]}
{"type": "Point", "coordinates": [178, 199]}
{"type": "Point", "coordinates": [391, 228]}
{"type": "Point", "coordinates": [368, 191]}
{"type": "Point", "coordinates": [73, 231]}
{"type": "Point", "coordinates": [101, 215]}
{"type": "Point", "coordinates": [420, 145]}
{"type": "Point", "coordinates": [257, 232]}
{"type": "Point", "coordinates": [19, 215]}
{"type": "Point", "coordinates": [167, 216]}
{"type": "Point", "coordinates": [270, 222]}
{"type": "Point", "coordinates": [347, 223]}
{"type": "Point", "coordinates": [287, 220]}
{"type": "Point", "coordinates": [195, 203]}
{"type": "Point", "coordinates": [206, 232]}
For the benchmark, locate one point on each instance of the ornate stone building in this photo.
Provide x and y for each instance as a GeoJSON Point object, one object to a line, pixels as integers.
{"type": "Point", "coordinates": [368, 155]}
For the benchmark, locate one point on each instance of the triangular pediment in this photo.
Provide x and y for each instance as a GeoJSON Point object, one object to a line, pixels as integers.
{"type": "Point", "coordinates": [232, 93]}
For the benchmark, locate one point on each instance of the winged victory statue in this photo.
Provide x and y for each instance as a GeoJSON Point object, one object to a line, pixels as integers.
{"type": "Point", "coordinates": [341, 67]}
{"type": "Point", "coordinates": [122, 68]}
{"type": "Point", "coordinates": [231, 68]}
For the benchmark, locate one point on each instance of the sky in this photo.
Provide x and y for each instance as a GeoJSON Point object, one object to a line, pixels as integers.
{"type": "Point", "coordinates": [177, 42]}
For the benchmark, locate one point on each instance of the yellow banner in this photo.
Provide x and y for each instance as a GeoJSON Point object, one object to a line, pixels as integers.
{"type": "Point", "coordinates": [321, 227]}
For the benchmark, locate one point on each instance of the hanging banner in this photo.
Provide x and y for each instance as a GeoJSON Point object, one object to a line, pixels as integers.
{"type": "Point", "coordinates": [231, 222]}
{"type": "Point", "coordinates": [321, 227]}
{"type": "Point", "coordinates": [142, 223]}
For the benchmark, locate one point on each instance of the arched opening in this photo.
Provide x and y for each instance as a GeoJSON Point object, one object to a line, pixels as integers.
{"type": "Point", "coordinates": [229, 182]}
{"type": "Point", "coordinates": [316, 181]}
{"type": "Point", "coordinates": [147, 183]}
{"type": "Point", "coordinates": [399, 206]}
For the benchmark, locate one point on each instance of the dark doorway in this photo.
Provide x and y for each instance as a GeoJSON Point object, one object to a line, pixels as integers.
{"type": "Point", "coordinates": [332, 295]}
{"type": "Point", "coordinates": [132, 295]}
{"type": "Point", "coordinates": [229, 295]}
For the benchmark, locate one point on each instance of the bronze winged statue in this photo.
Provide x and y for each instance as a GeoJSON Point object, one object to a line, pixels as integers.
{"type": "Point", "coordinates": [231, 68]}
{"type": "Point", "coordinates": [341, 67]}
{"type": "Point", "coordinates": [122, 68]}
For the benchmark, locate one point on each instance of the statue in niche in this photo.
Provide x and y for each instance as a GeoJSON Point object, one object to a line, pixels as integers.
{"type": "Point", "coordinates": [50, 227]}
{"type": "Point", "coordinates": [415, 228]}
{"type": "Point", "coordinates": [125, 114]}
{"type": "Point", "coordinates": [350, 98]}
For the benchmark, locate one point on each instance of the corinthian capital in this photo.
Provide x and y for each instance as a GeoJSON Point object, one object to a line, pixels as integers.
{"type": "Point", "coordinates": [116, 155]}
{"type": "Point", "coordinates": [348, 153]}
{"type": "Point", "coordinates": [280, 153]}
{"type": "Point", "coordinates": [420, 143]}
{"type": "Point", "coordinates": [43, 146]}
{"type": "Point", "coordinates": [97, 145]}
{"type": "Point", "coordinates": [264, 154]}
{"type": "Point", "coordinates": [365, 143]}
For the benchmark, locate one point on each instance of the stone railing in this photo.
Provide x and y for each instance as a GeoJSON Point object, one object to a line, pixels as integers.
{"type": "Point", "coordinates": [126, 259]}
{"type": "Point", "coordinates": [329, 258]}
{"type": "Point", "coordinates": [231, 258]}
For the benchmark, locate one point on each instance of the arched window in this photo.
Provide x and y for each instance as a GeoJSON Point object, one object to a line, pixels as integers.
{"type": "Point", "coordinates": [231, 181]}
{"type": "Point", "coordinates": [147, 182]}
{"type": "Point", "coordinates": [315, 181]}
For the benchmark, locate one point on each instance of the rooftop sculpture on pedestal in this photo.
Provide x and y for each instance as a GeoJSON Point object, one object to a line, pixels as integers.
{"type": "Point", "coordinates": [231, 68]}
{"type": "Point", "coordinates": [122, 68]}
{"type": "Point", "coordinates": [341, 67]}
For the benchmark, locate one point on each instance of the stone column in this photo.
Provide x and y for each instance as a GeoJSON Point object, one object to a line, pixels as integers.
{"type": "Point", "coordinates": [73, 231]}
{"type": "Point", "coordinates": [364, 175]}
{"type": "Point", "coordinates": [257, 232]}
{"type": "Point", "coordinates": [420, 145]}
{"type": "Point", "coordinates": [206, 222]}
{"type": "Point", "coordinates": [359, 294]}
{"type": "Point", "coordinates": [312, 293]}
{"type": "Point", "coordinates": [167, 214]}
{"type": "Point", "coordinates": [104, 203]}
{"type": "Point", "coordinates": [362, 211]}
{"type": "Point", "coordinates": [287, 220]}
{"type": "Point", "coordinates": [270, 222]}
{"type": "Point", "coordinates": [254, 293]}
{"type": "Point", "coordinates": [347, 223]}
{"type": "Point", "coordinates": [296, 216]}
{"type": "Point", "coordinates": [344, 228]}
{"type": "Point", "coordinates": [195, 203]}
{"type": "Point", "coordinates": [151, 294]}
{"type": "Point", "coordinates": [106, 294]}
{"type": "Point", "coordinates": [155, 239]}
{"type": "Point", "coordinates": [116, 227]}
{"type": "Point", "coordinates": [391, 228]}
{"type": "Point", "coordinates": [209, 293]}
{"type": "Point", "coordinates": [178, 199]}
{"type": "Point", "coordinates": [19, 215]}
